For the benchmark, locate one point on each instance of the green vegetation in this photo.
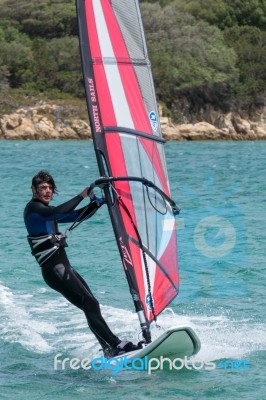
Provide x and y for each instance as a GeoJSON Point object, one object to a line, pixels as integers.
{"type": "Point", "coordinates": [203, 53]}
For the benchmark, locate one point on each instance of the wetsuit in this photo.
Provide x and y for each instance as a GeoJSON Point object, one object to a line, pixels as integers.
{"type": "Point", "coordinates": [41, 223]}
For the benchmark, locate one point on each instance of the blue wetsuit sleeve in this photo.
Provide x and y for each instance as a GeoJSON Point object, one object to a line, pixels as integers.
{"type": "Point", "coordinates": [49, 213]}
{"type": "Point", "coordinates": [87, 212]}
{"type": "Point", "coordinates": [41, 219]}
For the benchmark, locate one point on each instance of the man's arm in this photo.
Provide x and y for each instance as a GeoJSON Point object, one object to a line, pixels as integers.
{"type": "Point", "coordinates": [49, 213]}
{"type": "Point", "coordinates": [87, 212]}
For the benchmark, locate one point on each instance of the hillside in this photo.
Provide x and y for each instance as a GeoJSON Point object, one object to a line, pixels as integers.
{"type": "Point", "coordinates": [206, 56]}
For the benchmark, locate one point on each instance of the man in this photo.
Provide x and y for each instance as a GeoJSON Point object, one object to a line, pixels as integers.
{"type": "Point", "coordinates": [48, 247]}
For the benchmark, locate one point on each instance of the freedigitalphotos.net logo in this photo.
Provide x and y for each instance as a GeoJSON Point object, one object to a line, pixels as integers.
{"type": "Point", "coordinates": [212, 242]}
{"type": "Point", "coordinates": [116, 365]}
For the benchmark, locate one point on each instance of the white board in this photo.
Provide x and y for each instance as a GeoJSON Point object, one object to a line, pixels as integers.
{"type": "Point", "coordinates": [176, 342]}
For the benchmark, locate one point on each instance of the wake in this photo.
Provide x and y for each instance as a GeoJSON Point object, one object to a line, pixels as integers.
{"type": "Point", "coordinates": [46, 323]}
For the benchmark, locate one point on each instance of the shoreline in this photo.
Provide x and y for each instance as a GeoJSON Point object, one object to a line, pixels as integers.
{"type": "Point", "coordinates": [46, 121]}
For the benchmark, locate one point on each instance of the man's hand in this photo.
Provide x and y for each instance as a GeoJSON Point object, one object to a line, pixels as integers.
{"type": "Point", "coordinates": [84, 194]}
{"type": "Point", "coordinates": [99, 200]}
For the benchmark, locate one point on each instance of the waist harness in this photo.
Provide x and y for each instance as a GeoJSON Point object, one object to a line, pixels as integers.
{"type": "Point", "coordinates": [45, 246]}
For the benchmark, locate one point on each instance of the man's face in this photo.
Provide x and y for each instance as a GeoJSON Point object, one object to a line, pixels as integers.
{"type": "Point", "coordinates": [43, 192]}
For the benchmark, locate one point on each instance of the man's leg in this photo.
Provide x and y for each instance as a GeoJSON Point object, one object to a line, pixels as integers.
{"type": "Point", "coordinates": [62, 278]}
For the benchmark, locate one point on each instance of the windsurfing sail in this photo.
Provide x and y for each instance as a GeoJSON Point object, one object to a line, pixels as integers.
{"type": "Point", "coordinates": [129, 149]}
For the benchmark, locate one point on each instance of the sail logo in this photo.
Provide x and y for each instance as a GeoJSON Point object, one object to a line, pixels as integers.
{"type": "Point", "coordinates": [95, 111]}
{"type": "Point", "coordinates": [149, 301]}
{"type": "Point", "coordinates": [92, 90]}
{"type": "Point", "coordinates": [96, 119]}
{"type": "Point", "coordinates": [126, 256]}
{"type": "Point", "coordinates": [153, 120]}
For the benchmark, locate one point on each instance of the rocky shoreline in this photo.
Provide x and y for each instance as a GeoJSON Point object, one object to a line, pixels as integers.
{"type": "Point", "coordinates": [44, 121]}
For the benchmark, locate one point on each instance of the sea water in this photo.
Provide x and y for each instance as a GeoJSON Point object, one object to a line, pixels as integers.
{"type": "Point", "coordinates": [221, 189]}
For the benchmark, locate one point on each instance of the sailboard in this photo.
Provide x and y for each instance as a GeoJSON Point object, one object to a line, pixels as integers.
{"type": "Point", "coordinates": [174, 343]}
{"type": "Point", "coordinates": [129, 148]}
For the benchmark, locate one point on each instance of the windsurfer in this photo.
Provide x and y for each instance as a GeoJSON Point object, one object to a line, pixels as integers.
{"type": "Point", "coordinates": [48, 247]}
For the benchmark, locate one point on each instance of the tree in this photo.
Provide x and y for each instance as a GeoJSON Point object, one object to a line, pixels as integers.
{"type": "Point", "coordinates": [42, 18]}
{"type": "Point", "coordinates": [4, 75]}
{"type": "Point", "coordinates": [249, 44]}
{"type": "Point", "coordinates": [189, 57]}
{"type": "Point", "coordinates": [57, 65]}
{"type": "Point", "coordinates": [247, 12]}
{"type": "Point", "coordinates": [15, 56]}
{"type": "Point", "coordinates": [213, 12]}
{"type": "Point", "coordinates": [226, 13]}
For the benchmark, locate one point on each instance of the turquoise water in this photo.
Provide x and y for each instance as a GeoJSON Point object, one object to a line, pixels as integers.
{"type": "Point", "coordinates": [221, 190]}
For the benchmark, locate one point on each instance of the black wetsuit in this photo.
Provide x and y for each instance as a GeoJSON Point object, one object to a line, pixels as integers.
{"type": "Point", "coordinates": [41, 220]}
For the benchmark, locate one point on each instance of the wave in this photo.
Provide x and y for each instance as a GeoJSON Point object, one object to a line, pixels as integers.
{"type": "Point", "coordinates": [43, 323]}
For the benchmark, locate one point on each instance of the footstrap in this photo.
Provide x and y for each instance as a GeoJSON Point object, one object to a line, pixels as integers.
{"type": "Point", "coordinates": [124, 344]}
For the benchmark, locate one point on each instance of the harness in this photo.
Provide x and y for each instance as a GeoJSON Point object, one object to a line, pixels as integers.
{"type": "Point", "coordinates": [45, 246]}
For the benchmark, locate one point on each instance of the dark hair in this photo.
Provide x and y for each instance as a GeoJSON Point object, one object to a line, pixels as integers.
{"type": "Point", "coordinates": [44, 176]}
